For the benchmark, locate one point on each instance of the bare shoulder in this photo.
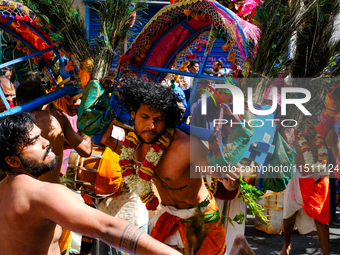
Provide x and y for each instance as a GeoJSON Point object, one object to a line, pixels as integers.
{"type": "Point", "coordinates": [58, 115]}
{"type": "Point", "coordinates": [46, 120]}
{"type": "Point", "coordinates": [29, 185]}
{"type": "Point", "coordinates": [185, 141]}
{"type": "Point", "coordinates": [22, 190]}
{"type": "Point", "coordinates": [41, 115]}
{"type": "Point", "coordinates": [48, 195]}
{"type": "Point", "coordinates": [181, 138]}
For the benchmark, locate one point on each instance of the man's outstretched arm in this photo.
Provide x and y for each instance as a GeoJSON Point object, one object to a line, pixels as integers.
{"type": "Point", "coordinates": [61, 206]}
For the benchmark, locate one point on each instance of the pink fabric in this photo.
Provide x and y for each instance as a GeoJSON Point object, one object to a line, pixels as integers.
{"type": "Point", "coordinates": [73, 121]}
{"type": "Point", "coordinates": [67, 151]}
{"type": "Point", "coordinates": [250, 31]}
{"type": "Point", "coordinates": [67, 148]}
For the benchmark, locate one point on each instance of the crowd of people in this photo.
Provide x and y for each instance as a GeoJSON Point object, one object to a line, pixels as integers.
{"type": "Point", "coordinates": [39, 213]}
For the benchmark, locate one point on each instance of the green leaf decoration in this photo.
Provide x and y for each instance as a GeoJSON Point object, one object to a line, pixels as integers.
{"type": "Point", "coordinates": [249, 195]}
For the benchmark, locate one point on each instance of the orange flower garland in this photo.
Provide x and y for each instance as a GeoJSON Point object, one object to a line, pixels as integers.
{"type": "Point", "coordinates": [138, 180]}
{"type": "Point", "coordinates": [320, 165]}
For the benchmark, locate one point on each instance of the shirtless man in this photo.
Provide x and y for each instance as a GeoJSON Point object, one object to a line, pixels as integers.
{"type": "Point", "coordinates": [9, 92]}
{"type": "Point", "coordinates": [154, 108]}
{"type": "Point", "coordinates": [32, 212]}
{"type": "Point", "coordinates": [309, 192]}
{"type": "Point", "coordinates": [55, 128]}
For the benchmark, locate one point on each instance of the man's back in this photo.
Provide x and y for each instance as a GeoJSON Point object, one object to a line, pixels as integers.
{"type": "Point", "coordinates": [20, 220]}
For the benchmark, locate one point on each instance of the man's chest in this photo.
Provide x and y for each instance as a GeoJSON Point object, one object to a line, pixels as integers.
{"type": "Point", "coordinates": [170, 170]}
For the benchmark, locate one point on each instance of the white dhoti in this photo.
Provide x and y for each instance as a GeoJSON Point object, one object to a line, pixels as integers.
{"type": "Point", "coordinates": [232, 208]}
{"type": "Point", "coordinates": [293, 203]}
{"type": "Point", "coordinates": [128, 207]}
{"type": "Point", "coordinates": [175, 239]}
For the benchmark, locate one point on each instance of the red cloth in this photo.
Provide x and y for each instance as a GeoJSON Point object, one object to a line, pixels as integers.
{"type": "Point", "coordinates": [315, 196]}
{"type": "Point", "coordinates": [326, 122]}
{"type": "Point", "coordinates": [213, 244]}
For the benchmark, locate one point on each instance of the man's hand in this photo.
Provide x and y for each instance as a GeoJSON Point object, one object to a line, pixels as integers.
{"type": "Point", "coordinates": [231, 183]}
{"type": "Point", "coordinates": [107, 133]}
{"type": "Point", "coordinates": [114, 144]}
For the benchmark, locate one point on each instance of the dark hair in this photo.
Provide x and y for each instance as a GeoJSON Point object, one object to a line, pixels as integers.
{"type": "Point", "coordinates": [135, 92]}
{"type": "Point", "coordinates": [208, 71]}
{"type": "Point", "coordinates": [14, 135]}
{"type": "Point", "coordinates": [193, 62]}
{"type": "Point", "coordinates": [7, 68]}
{"type": "Point", "coordinates": [29, 90]}
{"type": "Point", "coordinates": [219, 62]}
{"type": "Point", "coordinates": [204, 81]}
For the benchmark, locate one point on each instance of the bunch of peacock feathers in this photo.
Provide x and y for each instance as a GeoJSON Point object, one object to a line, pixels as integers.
{"type": "Point", "coordinates": [313, 58]}
{"type": "Point", "coordinates": [297, 40]}
{"type": "Point", "coordinates": [116, 18]}
{"type": "Point", "coordinates": [69, 27]}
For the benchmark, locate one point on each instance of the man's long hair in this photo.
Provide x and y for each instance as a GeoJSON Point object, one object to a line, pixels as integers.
{"type": "Point", "coordinates": [14, 135]}
{"type": "Point", "coordinates": [135, 92]}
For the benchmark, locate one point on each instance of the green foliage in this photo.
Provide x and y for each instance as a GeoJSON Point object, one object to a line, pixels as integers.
{"type": "Point", "coordinates": [68, 25]}
{"type": "Point", "coordinates": [249, 195]}
{"type": "Point", "coordinates": [239, 218]}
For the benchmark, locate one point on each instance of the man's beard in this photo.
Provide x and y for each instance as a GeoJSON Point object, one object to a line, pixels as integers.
{"type": "Point", "coordinates": [152, 141]}
{"type": "Point", "coordinates": [36, 169]}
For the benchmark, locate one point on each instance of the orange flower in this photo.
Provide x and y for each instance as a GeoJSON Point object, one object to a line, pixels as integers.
{"type": "Point", "coordinates": [230, 58]}
{"type": "Point", "coordinates": [193, 14]}
{"type": "Point", "coordinates": [186, 12]}
{"type": "Point", "coordinates": [226, 47]}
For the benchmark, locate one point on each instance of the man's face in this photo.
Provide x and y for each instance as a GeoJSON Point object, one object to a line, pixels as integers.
{"type": "Point", "coordinates": [149, 124]}
{"type": "Point", "coordinates": [194, 68]}
{"type": "Point", "coordinates": [308, 130]}
{"type": "Point", "coordinates": [9, 91]}
{"type": "Point", "coordinates": [226, 98]}
{"type": "Point", "coordinates": [216, 67]}
{"type": "Point", "coordinates": [8, 73]}
{"type": "Point", "coordinates": [37, 157]}
{"type": "Point", "coordinates": [200, 90]}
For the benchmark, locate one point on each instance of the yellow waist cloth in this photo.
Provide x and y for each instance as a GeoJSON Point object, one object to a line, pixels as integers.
{"type": "Point", "coordinates": [65, 241]}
